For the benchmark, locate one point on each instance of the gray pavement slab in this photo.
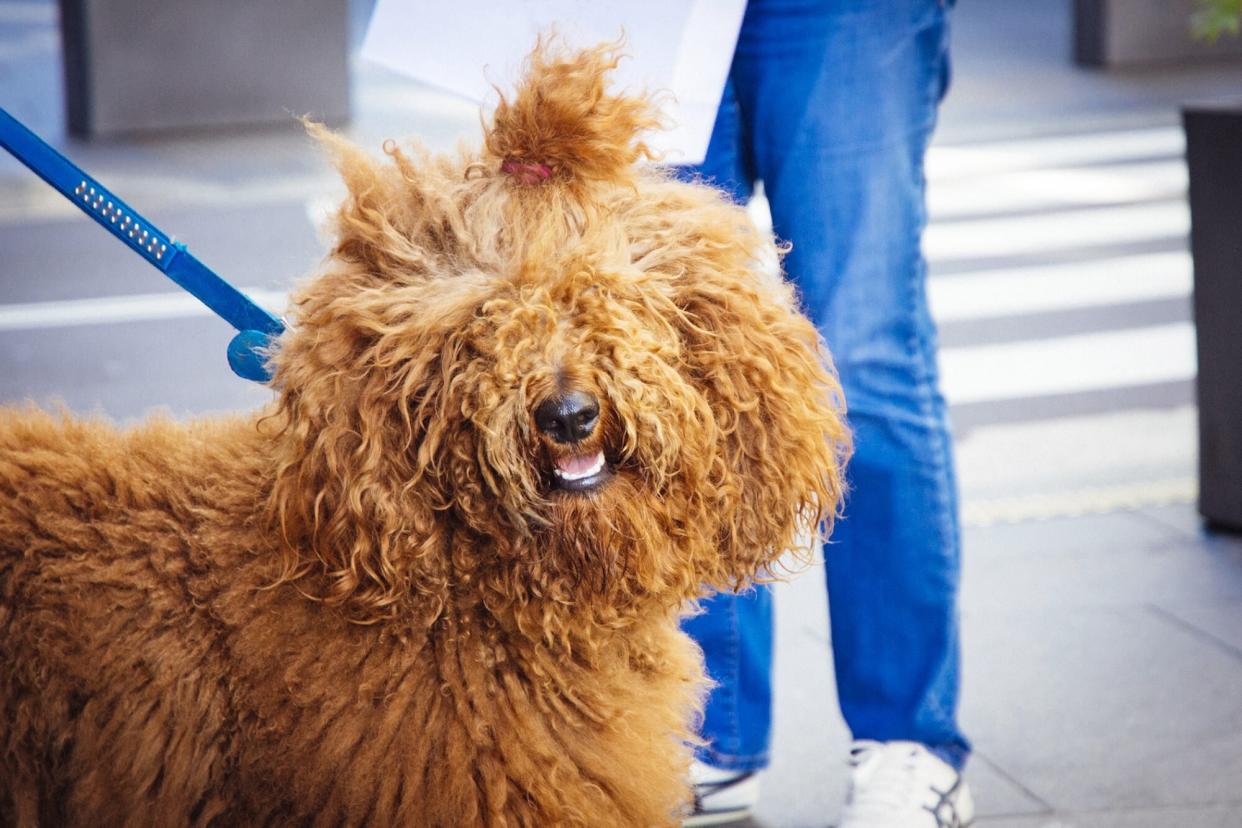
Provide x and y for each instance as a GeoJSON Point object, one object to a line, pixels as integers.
{"type": "Point", "coordinates": [1185, 518]}
{"type": "Point", "coordinates": [1045, 455]}
{"type": "Point", "coordinates": [805, 784]}
{"type": "Point", "coordinates": [1219, 621]}
{"type": "Point", "coordinates": [1101, 665]}
{"type": "Point", "coordinates": [1102, 708]}
{"type": "Point", "coordinates": [94, 370]}
{"type": "Point", "coordinates": [806, 781]}
{"type": "Point", "coordinates": [1113, 560]}
{"type": "Point", "coordinates": [997, 793]}
{"type": "Point", "coordinates": [1095, 690]}
{"type": "Point", "coordinates": [1209, 816]}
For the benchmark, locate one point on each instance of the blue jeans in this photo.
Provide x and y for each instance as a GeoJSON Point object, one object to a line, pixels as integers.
{"type": "Point", "coordinates": [831, 104]}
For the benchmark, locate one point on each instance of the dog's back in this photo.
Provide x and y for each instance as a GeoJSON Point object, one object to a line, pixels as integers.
{"type": "Point", "coordinates": [97, 636]}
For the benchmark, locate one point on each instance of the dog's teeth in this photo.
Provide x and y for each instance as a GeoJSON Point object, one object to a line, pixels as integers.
{"type": "Point", "coordinates": [597, 464]}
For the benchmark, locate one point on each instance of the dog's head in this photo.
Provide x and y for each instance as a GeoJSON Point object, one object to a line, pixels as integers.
{"type": "Point", "coordinates": [542, 375]}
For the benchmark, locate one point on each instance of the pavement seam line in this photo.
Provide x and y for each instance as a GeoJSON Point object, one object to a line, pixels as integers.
{"type": "Point", "coordinates": [1198, 632]}
{"type": "Point", "coordinates": [977, 755]}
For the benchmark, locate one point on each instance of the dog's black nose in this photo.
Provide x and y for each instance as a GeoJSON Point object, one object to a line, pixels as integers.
{"type": "Point", "coordinates": [569, 417]}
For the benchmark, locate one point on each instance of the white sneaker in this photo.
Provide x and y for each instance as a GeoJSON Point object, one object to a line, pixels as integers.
{"type": "Point", "coordinates": [904, 785]}
{"type": "Point", "coordinates": [721, 796]}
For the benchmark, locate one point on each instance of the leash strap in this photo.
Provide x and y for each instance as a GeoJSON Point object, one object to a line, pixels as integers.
{"type": "Point", "coordinates": [256, 326]}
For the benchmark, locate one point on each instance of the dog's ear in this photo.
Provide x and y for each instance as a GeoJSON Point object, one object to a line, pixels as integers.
{"type": "Point", "coordinates": [564, 125]}
{"type": "Point", "coordinates": [778, 470]}
{"type": "Point", "coordinates": [364, 418]}
{"type": "Point", "coordinates": [402, 216]}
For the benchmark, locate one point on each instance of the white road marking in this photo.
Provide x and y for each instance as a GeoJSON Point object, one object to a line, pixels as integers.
{"type": "Point", "coordinates": [1040, 234]}
{"type": "Point", "coordinates": [1048, 288]}
{"type": "Point", "coordinates": [1070, 364]}
{"type": "Point", "coordinates": [1057, 151]}
{"type": "Point", "coordinates": [1057, 188]}
{"type": "Point", "coordinates": [113, 309]}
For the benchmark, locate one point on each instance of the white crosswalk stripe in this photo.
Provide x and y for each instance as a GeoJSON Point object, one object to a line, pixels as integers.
{"type": "Point", "coordinates": [1069, 364]}
{"type": "Point", "coordinates": [1057, 188]}
{"type": "Point", "coordinates": [116, 309]}
{"type": "Point", "coordinates": [988, 159]}
{"type": "Point", "coordinates": [1017, 236]}
{"type": "Point", "coordinates": [1060, 287]}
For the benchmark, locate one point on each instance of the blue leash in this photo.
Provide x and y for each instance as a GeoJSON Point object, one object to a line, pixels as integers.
{"type": "Point", "coordinates": [256, 326]}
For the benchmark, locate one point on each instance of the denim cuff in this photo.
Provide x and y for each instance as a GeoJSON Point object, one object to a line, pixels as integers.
{"type": "Point", "coordinates": [742, 764]}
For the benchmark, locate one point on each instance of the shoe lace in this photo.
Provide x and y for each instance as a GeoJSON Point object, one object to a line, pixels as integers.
{"type": "Point", "coordinates": [884, 782]}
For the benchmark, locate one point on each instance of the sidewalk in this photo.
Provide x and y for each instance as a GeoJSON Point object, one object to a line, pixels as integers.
{"type": "Point", "coordinates": [1102, 627]}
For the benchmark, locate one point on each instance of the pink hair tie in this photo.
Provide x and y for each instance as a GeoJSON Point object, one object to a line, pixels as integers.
{"type": "Point", "coordinates": [526, 172]}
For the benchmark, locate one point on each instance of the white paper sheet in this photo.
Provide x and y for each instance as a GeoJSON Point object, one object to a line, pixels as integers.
{"type": "Point", "coordinates": [466, 46]}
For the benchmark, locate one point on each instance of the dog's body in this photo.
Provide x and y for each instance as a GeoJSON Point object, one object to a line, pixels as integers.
{"type": "Point", "coordinates": [148, 681]}
{"type": "Point", "coordinates": [400, 596]}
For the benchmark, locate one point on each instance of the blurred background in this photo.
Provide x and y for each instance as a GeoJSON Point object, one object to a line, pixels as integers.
{"type": "Point", "coordinates": [1102, 620]}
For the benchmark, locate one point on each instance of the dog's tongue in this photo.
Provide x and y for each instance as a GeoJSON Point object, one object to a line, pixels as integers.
{"type": "Point", "coordinates": [578, 465]}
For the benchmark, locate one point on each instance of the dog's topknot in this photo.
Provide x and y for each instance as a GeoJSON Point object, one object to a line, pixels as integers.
{"type": "Point", "coordinates": [563, 123]}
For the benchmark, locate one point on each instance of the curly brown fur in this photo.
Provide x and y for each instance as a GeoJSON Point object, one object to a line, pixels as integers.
{"type": "Point", "coordinates": [369, 604]}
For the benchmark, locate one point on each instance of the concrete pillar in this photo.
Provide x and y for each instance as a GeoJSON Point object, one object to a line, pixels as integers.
{"type": "Point", "coordinates": [137, 65]}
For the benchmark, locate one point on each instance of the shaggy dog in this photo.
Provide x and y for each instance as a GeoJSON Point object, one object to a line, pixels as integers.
{"type": "Point", "coordinates": [540, 398]}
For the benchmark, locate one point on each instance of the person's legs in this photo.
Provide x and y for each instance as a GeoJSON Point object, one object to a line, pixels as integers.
{"type": "Point", "coordinates": [838, 100]}
{"type": "Point", "coordinates": [832, 105]}
{"type": "Point", "coordinates": [735, 632]}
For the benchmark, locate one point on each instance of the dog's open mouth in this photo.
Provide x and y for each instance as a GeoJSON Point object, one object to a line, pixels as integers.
{"type": "Point", "coordinates": [580, 473]}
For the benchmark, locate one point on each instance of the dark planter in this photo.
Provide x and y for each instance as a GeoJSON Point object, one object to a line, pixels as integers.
{"type": "Point", "coordinates": [1214, 155]}
{"type": "Point", "coordinates": [134, 65]}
